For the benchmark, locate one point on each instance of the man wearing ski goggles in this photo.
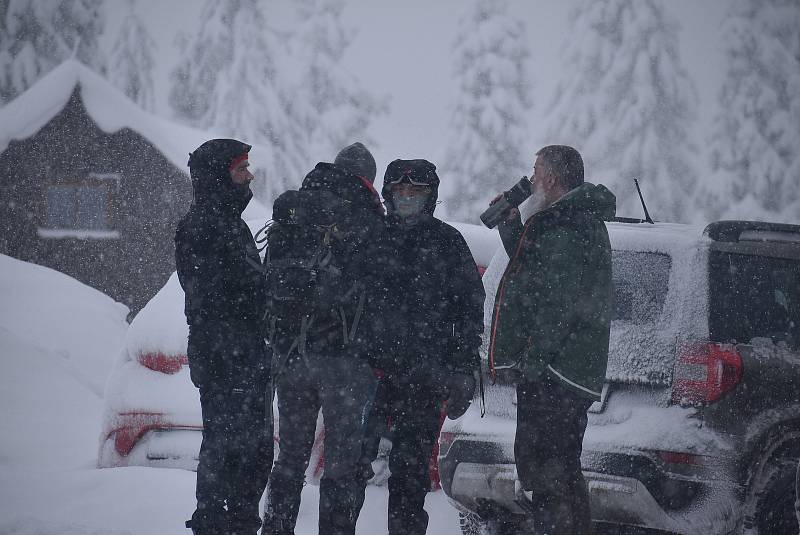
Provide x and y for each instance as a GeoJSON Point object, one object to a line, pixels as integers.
{"type": "Point", "coordinates": [434, 324]}
{"type": "Point", "coordinates": [408, 187]}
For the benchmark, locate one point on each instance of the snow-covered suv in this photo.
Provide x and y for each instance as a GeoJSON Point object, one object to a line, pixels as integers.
{"type": "Point", "coordinates": [698, 430]}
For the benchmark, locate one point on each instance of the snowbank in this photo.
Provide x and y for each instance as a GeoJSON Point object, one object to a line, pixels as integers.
{"type": "Point", "coordinates": [50, 421]}
{"type": "Point", "coordinates": [58, 339]}
{"type": "Point", "coordinates": [55, 314]}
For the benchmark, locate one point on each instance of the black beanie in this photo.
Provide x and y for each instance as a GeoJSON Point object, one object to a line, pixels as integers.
{"type": "Point", "coordinates": [358, 160]}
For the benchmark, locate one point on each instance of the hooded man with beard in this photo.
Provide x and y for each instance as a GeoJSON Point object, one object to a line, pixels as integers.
{"type": "Point", "coordinates": [433, 333]}
{"type": "Point", "coordinates": [223, 279]}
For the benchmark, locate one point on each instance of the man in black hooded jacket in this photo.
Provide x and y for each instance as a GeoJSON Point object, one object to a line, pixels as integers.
{"type": "Point", "coordinates": [433, 332]}
{"type": "Point", "coordinates": [223, 279]}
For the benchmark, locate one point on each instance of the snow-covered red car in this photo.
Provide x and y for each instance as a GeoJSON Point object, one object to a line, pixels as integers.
{"type": "Point", "coordinates": [152, 409]}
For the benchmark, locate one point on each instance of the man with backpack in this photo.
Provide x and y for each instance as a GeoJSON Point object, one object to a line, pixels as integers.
{"type": "Point", "coordinates": [319, 266]}
{"type": "Point", "coordinates": [225, 290]}
{"type": "Point", "coordinates": [435, 322]}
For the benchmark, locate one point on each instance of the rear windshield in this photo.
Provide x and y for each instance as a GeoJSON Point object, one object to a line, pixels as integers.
{"type": "Point", "coordinates": [640, 285]}
{"type": "Point", "coordinates": [754, 297]}
{"type": "Point", "coordinates": [639, 351]}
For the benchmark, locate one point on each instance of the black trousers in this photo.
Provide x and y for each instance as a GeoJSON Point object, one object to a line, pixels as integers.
{"type": "Point", "coordinates": [235, 458]}
{"type": "Point", "coordinates": [551, 422]}
{"type": "Point", "coordinates": [343, 388]}
{"type": "Point", "coordinates": [415, 409]}
{"type": "Point", "coordinates": [229, 364]}
{"type": "Point", "coordinates": [377, 424]}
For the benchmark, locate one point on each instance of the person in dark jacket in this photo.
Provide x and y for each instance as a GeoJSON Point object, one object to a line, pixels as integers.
{"type": "Point", "coordinates": [331, 374]}
{"type": "Point", "coordinates": [223, 279]}
{"type": "Point", "coordinates": [433, 333]}
{"type": "Point", "coordinates": [550, 328]}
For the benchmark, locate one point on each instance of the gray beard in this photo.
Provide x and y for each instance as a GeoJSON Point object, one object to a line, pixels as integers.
{"type": "Point", "coordinates": [532, 206]}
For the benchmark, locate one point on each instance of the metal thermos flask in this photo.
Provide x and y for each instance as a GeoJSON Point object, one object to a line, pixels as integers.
{"type": "Point", "coordinates": [510, 199]}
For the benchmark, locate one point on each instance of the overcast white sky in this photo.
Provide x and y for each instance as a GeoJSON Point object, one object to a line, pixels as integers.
{"type": "Point", "coordinates": [403, 50]}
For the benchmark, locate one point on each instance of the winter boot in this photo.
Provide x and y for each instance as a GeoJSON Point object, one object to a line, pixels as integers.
{"type": "Point", "coordinates": [205, 522]}
{"type": "Point", "coordinates": [339, 505]}
{"type": "Point", "coordinates": [277, 526]}
{"type": "Point", "coordinates": [243, 525]}
{"type": "Point", "coordinates": [283, 501]}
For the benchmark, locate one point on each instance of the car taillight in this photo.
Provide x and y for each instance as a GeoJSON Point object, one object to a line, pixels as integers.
{"type": "Point", "coordinates": [160, 362]}
{"type": "Point", "coordinates": [675, 457]}
{"type": "Point", "coordinates": [133, 425]}
{"type": "Point", "coordinates": [704, 372]}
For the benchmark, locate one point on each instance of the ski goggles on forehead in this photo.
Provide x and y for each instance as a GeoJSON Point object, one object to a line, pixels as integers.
{"type": "Point", "coordinates": [414, 172]}
{"type": "Point", "coordinates": [408, 179]}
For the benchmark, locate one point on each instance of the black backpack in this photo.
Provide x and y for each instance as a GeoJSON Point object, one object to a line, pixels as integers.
{"type": "Point", "coordinates": [313, 298]}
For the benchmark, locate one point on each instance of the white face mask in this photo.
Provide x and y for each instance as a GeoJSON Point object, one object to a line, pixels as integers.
{"type": "Point", "coordinates": [407, 206]}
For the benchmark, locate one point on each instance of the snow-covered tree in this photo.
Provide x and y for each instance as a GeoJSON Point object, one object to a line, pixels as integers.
{"type": "Point", "coordinates": [756, 156]}
{"type": "Point", "coordinates": [487, 150]}
{"type": "Point", "coordinates": [227, 80]}
{"type": "Point", "coordinates": [626, 103]}
{"type": "Point", "coordinates": [336, 111]}
{"type": "Point", "coordinates": [38, 35]}
{"type": "Point", "coordinates": [131, 64]}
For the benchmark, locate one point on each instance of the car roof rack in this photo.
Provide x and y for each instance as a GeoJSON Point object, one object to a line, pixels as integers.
{"type": "Point", "coordinates": [629, 220]}
{"type": "Point", "coordinates": [736, 231]}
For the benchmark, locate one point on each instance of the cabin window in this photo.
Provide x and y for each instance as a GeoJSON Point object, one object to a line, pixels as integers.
{"type": "Point", "coordinates": [80, 210]}
{"type": "Point", "coordinates": [77, 207]}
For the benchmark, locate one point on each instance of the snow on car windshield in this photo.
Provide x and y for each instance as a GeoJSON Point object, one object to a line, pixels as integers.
{"type": "Point", "coordinates": [641, 280]}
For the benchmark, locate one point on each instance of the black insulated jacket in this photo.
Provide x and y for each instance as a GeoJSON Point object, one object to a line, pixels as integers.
{"type": "Point", "coordinates": [435, 299]}
{"type": "Point", "coordinates": [217, 261]}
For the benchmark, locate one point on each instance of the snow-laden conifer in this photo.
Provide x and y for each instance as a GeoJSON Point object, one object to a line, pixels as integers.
{"type": "Point", "coordinates": [335, 109]}
{"type": "Point", "coordinates": [227, 80]}
{"type": "Point", "coordinates": [36, 36]}
{"type": "Point", "coordinates": [488, 149]}
{"type": "Point", "coordinates": [626, 103]}
{"type": "Point", "coordinates": [131, 64]}
{"type": "Point", "coordinates": [755, 156]}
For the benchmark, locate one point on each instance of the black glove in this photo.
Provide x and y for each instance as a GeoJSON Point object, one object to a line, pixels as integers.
{"type": "Point", "coordinates": [462, 390]}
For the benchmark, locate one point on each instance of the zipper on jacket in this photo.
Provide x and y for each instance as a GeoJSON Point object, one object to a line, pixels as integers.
{"type": "Point", "coordinates": [499, 301]}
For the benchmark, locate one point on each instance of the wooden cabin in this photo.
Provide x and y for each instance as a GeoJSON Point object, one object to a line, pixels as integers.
{"type": "Point", "coordinates": [91, 185]}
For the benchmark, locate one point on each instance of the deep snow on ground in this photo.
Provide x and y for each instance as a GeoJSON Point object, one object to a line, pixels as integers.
{"type": "Point", "coordinates": [149, 501]}
{"type": "Point", "coordinates": [58, 339]}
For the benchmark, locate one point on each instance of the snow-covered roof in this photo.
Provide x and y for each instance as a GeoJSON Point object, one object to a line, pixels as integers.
{"type": "Point", "coordinates": [108, 107]}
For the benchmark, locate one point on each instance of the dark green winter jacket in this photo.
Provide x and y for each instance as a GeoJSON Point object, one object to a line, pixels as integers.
{"type": "Point", "coordinates": [552, 311]}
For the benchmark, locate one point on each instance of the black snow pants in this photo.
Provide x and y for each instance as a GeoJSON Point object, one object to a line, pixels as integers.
{"type": "Point", "coordinates": [551, 422]}
{"type": "Point", "coordinates": [343, 387]}
{"type": "Point", "coordinates": [232, 374]}
{"type": "Point", "coordinates": [415, 410]}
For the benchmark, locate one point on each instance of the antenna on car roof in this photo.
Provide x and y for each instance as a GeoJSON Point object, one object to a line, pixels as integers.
{"type": "Point", "coordinates": [647, 217]}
